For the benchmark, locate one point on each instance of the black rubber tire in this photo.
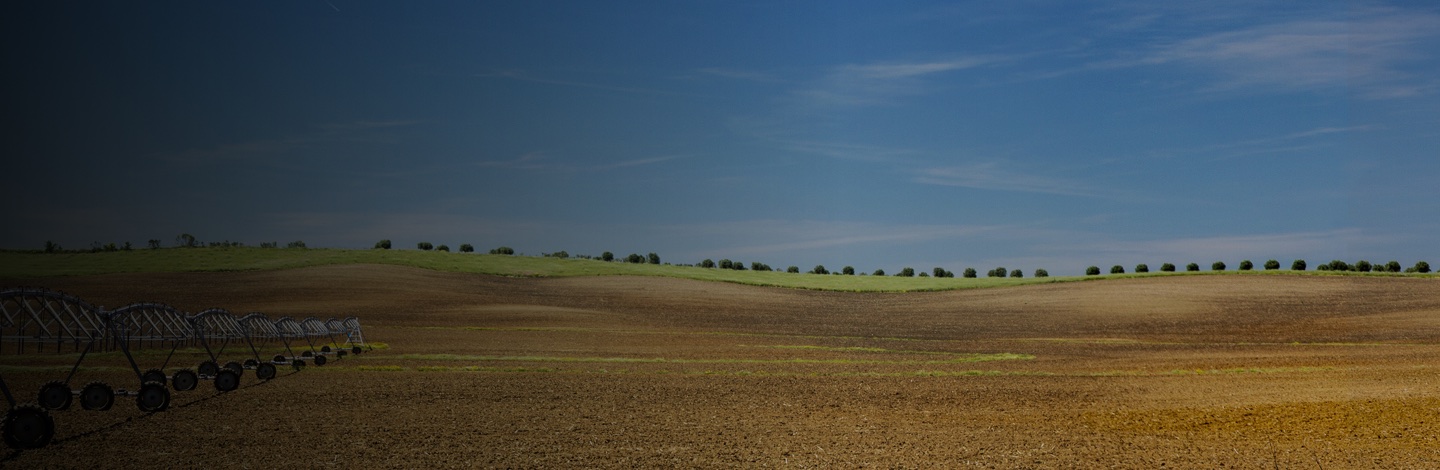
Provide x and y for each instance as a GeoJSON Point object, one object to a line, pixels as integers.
{"type": "Point", "coordinates": [153, 375]}
{"type": "Point", "coordinates": [185, 380]}
{"type": "Point", "coordinates": [27, 426]}
{"type": "Point", "coordinates": [356, 350]}
{"type": "Point", "coordinates": [227, 380]}
{"type": "Point", "coordinates": [251, 363]}
{"type": "Point", "coordinates": [320, 360]}
{"type": "Point", "coordinates": [279, 359]}
{"type": "Point", "coordinates": [265, 371]}
{"type": "Point", "coordinates": [298, 365]}
{"type": "Point", "coordinates": [325, 349]}
{"type": "Point", "coordinates": [97, 396]}
{"type": "Point", "coordinates": [152, 397]}
{"type": "Point", "coordinates": [236, 367]}
{"type": "Point", "coordinates": [55, 395]}
{"type": "Point", "coordinates": [208, 368]}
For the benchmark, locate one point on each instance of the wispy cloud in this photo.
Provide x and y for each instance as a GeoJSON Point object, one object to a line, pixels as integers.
{"type": "Point", "coordinates": [882, 83]}
{"type": "Point", "coordinates": [738, 74]}
{"type": "Point", "coordinates": [1311, 139]}
{"type": "Point", "coordinates": [323, 135]}
{"type": "Point", "coordinates": [992, 176]}
{"type": "Point", "coordinates": [539, 161]}
{"type": "Point", "coordinates": [1368, 53]}
{"type": "Point", "coordinates": [522, 76]}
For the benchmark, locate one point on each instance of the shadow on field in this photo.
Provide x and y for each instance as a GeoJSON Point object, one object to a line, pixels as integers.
{"type": "Point", "coordinates": [14, 454]}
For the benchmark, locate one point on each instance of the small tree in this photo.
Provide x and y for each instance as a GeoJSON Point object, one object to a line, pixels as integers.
{"type": "Point", "coordinates": [1297, 265]}
{"type": "Point", "coordinates": [708, 263]}
{"type": "Point", "coordinates": [383, 244]}
{"type": "Point", "coordinates": [635, 258]}
{"type": "Point", "coordinates": [655, 259]}
{"type": "Point", "coordinates": [154, 244]}
{"type": "Point", "coordinates": [1271, 265]}
{"type": "Point", "coordinates": [969, 273]}
{"type": "Point", "coordinates": [425, 246]}
{"type": "Point", "coordinates": [1192, 267]}
{"type": "Point", "coordinates": [1422, 267]}
{"type": "Point", "coordinates": [1392, 266]}
{"type": "Point", "coordinates": [906, 272]}
{"type": "Point", "coordinates": [296, 244]}
{"type": "Point", "coordinates": [758, 266]}
{"type": "Point", "coordinates": [878, 272]}
{"type": "Point", "coordinates": [924, 274]}
{"type": "Point", "coordinates": [1092, 271]}
{"type": "Point", "coordinates": [1246, 265]}
{"type": "Point", "coordinates": [1362, 266]}
{"type": "Point", "coordinates": [504, 250]}
{"type": "Point", "coordinates": [607, 256]}
{"type": "Point", "coordinates": [1117, 269]}
{"type": "Point", "coordinates": [1016, 273]}
{"type": "Point", "coordinates": [793, 270]}
{"type": "Point", "coordinates": [1337, 265]}
{"type": "Point", "coordinates": [727, 264]}
{"type": "Point", "coordinates": [1167, 267]}
{"type": "Point", "coordinates": [562, 254]}
{"type": "Point", "coordinates": [1042, 273]}
{"type": "Point", "coordinates": [52, 247]}
{"type": "Point", "coordinates": [443, 247]}
{"type": "Point", "coordinates": [467, 248]}
{"type": "Point", "coordinates": [819, 269]}
{"type": "Point", "coordinates": [939, 271]}
{"type": "Point", "coordinates": [186, 240]}
{"type": "Point", "coordinates": [1142, 268]}
{"type": "Point", "coordinates": [1217, 266]}
{"type": "Point", "coordinates": [848, 270]}
{"type": "Point", "coordinates": [998, 272]}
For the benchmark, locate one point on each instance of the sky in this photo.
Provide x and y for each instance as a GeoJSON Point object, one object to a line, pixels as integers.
{"type": "Point", "coordinates": [1025, 134]}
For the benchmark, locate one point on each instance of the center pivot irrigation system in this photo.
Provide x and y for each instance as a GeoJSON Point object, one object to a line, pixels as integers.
{"type": "Point", "coordinates": [36, 322]}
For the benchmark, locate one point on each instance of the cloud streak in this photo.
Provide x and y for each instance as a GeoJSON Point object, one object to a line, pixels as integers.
{"type": "Point", "coordinates": [1368, 53]}
{"type": "Point", "coordinates": [990, 176]}
{"type": "Point", "coordinates": [884, 83]}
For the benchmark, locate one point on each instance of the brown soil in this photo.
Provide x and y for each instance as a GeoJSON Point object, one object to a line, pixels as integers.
{"type": "Point", "coordinates": [614, 372]}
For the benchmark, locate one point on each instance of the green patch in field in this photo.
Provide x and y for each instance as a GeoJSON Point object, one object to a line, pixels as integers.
{"type": "Point", "coordinates": [380, 368]}
{"type": "Point", "coordinates": [965, 358]}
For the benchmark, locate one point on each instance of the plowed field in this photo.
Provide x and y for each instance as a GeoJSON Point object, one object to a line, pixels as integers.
{"type": "Point", "coordinates": [620, 372]}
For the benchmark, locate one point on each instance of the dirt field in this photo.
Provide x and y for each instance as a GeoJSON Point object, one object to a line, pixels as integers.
{"type": "Point", "coordinates": [618, 372]}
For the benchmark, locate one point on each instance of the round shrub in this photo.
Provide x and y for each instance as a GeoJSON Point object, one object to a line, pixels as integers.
{"type": "Point", "coordinates": [793, 269]}
{"type": "Point", "coordinates": [1422, 267]}
{"type": "Point", "coordinates": [848, 270]}
{"type": "Point", "coordinates": [970, 273]}
{"type": "Point", "coordinates": [442, 248]}
{"type": "Point", "coordinates": [1016, 273]}
{"type": "Point", "coordinates": [1192, 267]}
{"type": "Point", "coordinates": [1167, 267]}
{"type": "Point", "coordinates": [1142, 268]}
{"type": "Point", "coordinates": [1298, 265]}
{"type": "Point", "coordinates": [467, 248]}
{"type": "Point", "coordinates": [1117, 269]}
{"type": "Point", "coordinates": [425, 246]}
{"type": "Point", "coordinates": [1217, 266]}
{"type": "Point", "coordinates": [1092, 271]}
{"type": "Point", "coordinates": [878, 272]}
{"type": "Point", "coordinates": [1362, 266]}
{"type": "Point", "coordinates": [1042, 273]}
{"type": "Point", "coordinates": [1271, 265]}
{"type": "Point", "coordinates": [1246, 265]}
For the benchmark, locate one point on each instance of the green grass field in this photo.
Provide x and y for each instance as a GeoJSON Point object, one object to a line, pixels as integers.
{"type": "Point", "coordinates": [29, 265]}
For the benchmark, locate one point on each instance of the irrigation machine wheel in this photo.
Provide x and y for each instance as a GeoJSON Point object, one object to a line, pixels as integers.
{"type": "Point", "coordinates": [55, 396]}
{"type": "Point", "coordinates": [208, 368]}
{"type": "Point", "coordinates": [97, 396]}
{"type": "Point", "coordinates": [265, 371]}
{"type": "Point", "coordinates": [297, 364]}
{"type": "Point", "coordinates": [279, 359]}
{"type": "Point", "coordinates": [153, 375]}
{"type": "Point", "coordinates": [227, 380]}
{"type": "Point", "coordinates": [325, 349]}
{"type": "Point", "coordinates": [152, 397]}
{"type": "Point", "coordinates": [320, 360]}
{"type": "Point", "coordinates": [184, 380]}
{"type": "Point", "coordinates": [28, 426]}
{"type": "Point", "coordinates": [356, 350]}
{"type": "Point", "coordinates": [236, 367]}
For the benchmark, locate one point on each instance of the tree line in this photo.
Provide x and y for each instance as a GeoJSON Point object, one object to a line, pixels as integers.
{"type": "Point", "coordinates": [1361, 266]}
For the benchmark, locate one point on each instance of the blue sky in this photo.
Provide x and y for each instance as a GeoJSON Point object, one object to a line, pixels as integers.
{"type": "Point", "coordinates": [1036, 134]}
